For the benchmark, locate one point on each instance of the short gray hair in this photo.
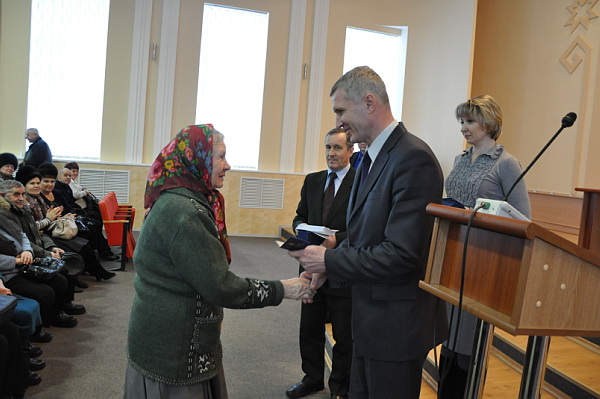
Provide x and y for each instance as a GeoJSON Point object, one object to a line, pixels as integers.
{"type": "Point", "coordinates": [337, 130]}
{"type": "Point", "coordinates": [359, 82]}
{"type": "Point", "coordinates": [34, 130]}
{"type": "Point", "coordinates": [8, 185]}
{"type": "Point", "coordinates": [218, 137]}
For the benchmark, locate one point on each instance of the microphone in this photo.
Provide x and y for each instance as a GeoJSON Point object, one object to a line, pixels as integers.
{"type": "Point", "coordinates": [567, 121]}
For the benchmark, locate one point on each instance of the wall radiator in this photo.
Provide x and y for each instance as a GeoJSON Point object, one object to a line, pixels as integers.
{"type": "Point", "coordinates": [261, 193]}
{"type": "Point", "coordinates": [100, 182]}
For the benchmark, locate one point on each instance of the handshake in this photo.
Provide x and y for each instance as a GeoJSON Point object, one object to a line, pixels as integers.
{"type": "Point", "coordinates": [304, 287]}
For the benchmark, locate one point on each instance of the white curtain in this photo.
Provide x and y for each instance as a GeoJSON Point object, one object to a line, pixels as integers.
{"type": "Point", "coordinates": [66, 75]}
{"type": "Point", "coordinates": [231, 79]}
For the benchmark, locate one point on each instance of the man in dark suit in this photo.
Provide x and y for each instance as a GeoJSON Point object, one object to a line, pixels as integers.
{"type": "Point", "coordinates": [334, 304]}
{"type": "Point", "coordinates": [394, 323]}
{"type": "Point", "coordinates": [357, 157]}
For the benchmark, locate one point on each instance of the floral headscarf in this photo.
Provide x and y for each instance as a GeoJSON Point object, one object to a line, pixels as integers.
{"type": "Point", "coordinates": [187, 162]}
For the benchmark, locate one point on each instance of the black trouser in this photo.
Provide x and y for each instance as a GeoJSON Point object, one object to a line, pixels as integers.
{"type": "Point", "coordinates": [95, 235]}
{"type": "Point", "coordinates": [50, 294]}
{"type": "Point", "coordinates": [14, 366]}
{"type": "Point", "coordinates": [453, 376]}
{"type": "Point", "coordinates": [338, 311]}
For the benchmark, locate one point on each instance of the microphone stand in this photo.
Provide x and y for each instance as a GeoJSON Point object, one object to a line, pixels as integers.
{"type": "Point", "coordinates": [564, 125]}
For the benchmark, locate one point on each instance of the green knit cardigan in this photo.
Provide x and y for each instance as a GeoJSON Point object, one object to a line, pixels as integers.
{"type": "Point", "coordinates": [182, 283]}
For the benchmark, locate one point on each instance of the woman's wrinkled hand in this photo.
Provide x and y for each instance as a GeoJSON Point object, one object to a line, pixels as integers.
{"type": "Point", "coordinates": [297, 288]}
{"type": "Point", "coordinates": [24, 258]}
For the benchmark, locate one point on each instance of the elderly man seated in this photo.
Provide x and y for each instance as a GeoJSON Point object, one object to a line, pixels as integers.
{"type": "Point", "coordinates": [65, 197]}
{"type": "Point", "coordinates": [55, 295]}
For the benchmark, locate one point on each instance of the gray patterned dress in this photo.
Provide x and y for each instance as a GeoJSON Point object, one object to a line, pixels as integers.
{"type": "Point", "coordinates": [490, 176]}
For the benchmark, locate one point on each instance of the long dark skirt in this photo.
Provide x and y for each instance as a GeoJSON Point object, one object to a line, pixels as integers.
{"type": "Point", "coordinates": [139, 387]}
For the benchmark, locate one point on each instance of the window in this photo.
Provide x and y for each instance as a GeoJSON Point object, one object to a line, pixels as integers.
{"type": "Point", "coordinates": [385, 53]}
{"type": "Point", "coordinates": [231, 79]}
{"type": "Point", "coordinates": [66, 75]}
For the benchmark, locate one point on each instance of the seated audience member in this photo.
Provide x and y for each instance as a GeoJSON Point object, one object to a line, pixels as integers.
{"type": "Point", "coordinates": [27, 318]}
{"type": "Point", "coordinates": [55, 192]}
{"type": "Point", "coordinates": [15, 376]}
{"type": "Point", "coordinates": [78, 191]}
{"type": "Point", "coordinates": [44, 215]}
{"type": "Point", "coordinates": [54, 295]}
{"type": "Point", "coordinates": [63, 189]}
{"type": "Point", "coordinates": [8, 164]}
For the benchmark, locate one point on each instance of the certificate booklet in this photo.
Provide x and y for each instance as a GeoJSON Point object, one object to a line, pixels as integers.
{"type": "Point", "coordinates": [293, 244]}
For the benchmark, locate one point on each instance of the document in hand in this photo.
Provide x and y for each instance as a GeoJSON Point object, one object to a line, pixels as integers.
{"type": "Point", "coordinates": [321, 231]}
{"type": "Point", "coordinates": [293, 244]}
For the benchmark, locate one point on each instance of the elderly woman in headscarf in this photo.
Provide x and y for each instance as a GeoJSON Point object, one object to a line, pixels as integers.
{"type": "Point", "coordinates": [183, 280]}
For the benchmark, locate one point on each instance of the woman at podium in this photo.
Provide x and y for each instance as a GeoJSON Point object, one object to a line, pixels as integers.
{"type": "Point", "coordinates": [484, 170]}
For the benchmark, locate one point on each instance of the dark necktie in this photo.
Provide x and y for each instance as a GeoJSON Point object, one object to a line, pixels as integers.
{"type": "Point", "coordinates": [328, 196]}
{"type": "Point", "coordinates": [366, 164]}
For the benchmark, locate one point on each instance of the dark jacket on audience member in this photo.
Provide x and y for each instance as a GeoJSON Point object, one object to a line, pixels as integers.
{"type": "Point", "coordinates": [64, 196]}
{"type": "Point", "coordinates": [40, 243]}
{"type": "Point", "coordinates": [38, 153]}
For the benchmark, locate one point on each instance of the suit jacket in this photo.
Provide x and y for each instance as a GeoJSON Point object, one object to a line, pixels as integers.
{"type": "Point", "coordinates": [385, 254]}
{"type": "Point", "coordinates": [310, 209]}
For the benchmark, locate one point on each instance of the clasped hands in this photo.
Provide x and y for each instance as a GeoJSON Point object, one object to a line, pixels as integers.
{"type": "Point", "coordinates": [312, 259]}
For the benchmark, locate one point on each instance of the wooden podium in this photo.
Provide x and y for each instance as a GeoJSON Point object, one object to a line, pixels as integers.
{"type": "Point", "coordinates": [519, 276]}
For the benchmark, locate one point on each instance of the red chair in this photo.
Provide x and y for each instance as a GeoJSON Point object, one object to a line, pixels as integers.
{"type": "Point", "coordinates": [118, 223]}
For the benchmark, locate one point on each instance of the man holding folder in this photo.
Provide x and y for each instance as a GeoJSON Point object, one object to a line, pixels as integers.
{"type": "Point", "coordinates": [324, 202]}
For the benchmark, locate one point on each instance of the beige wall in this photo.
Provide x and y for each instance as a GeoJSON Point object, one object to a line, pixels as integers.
{"type": "Point", "coordinates": [440, 35]}
{"type": "Point", "coordinates": [116, 91]}
{"type": "Point", "coordinates": [242, 221]}
{"type": "Point", "coordinates": [14, 62]}
{"type": "Point", "coordinates": [510, 49]}
{"type": "Point", "coordinates": [518, 50]}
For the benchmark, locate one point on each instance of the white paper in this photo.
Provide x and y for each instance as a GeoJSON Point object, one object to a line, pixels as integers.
{"type": "Point", "coordinates": [321, 231]}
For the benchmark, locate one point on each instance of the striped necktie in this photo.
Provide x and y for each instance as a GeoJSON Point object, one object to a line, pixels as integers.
{"type": "Point", "coordinates": [328, 196]}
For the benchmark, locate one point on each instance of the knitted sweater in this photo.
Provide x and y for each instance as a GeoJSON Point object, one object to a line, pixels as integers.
{"type": "Point", "coordinates": [182, 283]}
{"type": "Point", "coordinates": [490, 176]}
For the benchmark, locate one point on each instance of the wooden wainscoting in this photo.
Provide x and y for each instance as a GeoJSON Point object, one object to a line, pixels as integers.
{"type": "Point", "coordinates": [560, 213]}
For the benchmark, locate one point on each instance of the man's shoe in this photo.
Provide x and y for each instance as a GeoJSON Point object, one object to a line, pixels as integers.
{"type": "Point", "coordinates": [81, 284]}
{"type": "Point", "coordinates": [36, 364]}
{"type": "Point", "coordinates": [302, 389]}
{"type": "Point", "coordinates": [41, 336]}
{"type": "Point", "coordinates": [64, 320]}
{"type": "Point", "coordinates": [32, 350]}
{"type": "Point", "coordinates": [33, 379]}
{"type": "Point", "coordinates": [339, 396]}
{"type": "Point", "coordinates": [72, 309]}
{"type": "Point", "coordinates": [77, 290]}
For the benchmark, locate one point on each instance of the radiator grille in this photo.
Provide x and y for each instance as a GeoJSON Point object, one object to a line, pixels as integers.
{"type": "Point", "coordinates": [261, 193]}
{"type": "Point", "coordinates": [101, 182]}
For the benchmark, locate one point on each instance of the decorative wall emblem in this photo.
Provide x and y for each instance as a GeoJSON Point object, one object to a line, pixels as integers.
{"type": "Point", "coordinates": [581, 13]}
{"type": "Point", "coordinates": [575, 54]}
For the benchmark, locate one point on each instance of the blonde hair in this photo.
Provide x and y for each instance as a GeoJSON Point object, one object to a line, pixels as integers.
{"type": "Point", "coordinates": [485, 110]}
